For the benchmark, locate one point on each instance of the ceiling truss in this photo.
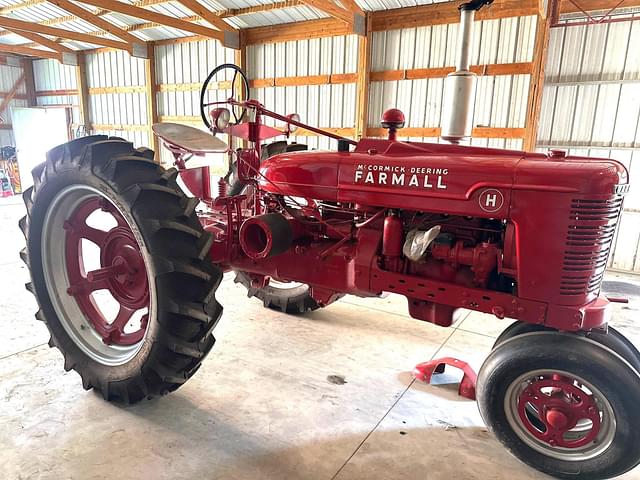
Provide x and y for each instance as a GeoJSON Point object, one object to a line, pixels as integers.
{"type": "Point", "coordinates": [47, 41]}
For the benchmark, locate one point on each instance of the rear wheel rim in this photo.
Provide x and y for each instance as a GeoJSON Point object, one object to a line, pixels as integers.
{"type": "Point", "coordinates": [105, 308]}
{"type": "Point", "coordinates": [560, 415]}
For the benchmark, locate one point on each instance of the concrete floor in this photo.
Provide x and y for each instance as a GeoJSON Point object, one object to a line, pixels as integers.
{"type": "Point", "coordinates": [261, 406]}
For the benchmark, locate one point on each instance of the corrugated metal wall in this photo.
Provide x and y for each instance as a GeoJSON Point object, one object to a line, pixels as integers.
{"type": "Point", "coordinates": [9, 75]}
{"type": "Point", "coordinates": [179, 64]}
{"type": "Point", "coordinates": [591, 106]}
{"type": "Point", "coordinates": [325, 106]}
{"type": "Point", "coordinates": [108, 71]}
{"type": "Point", "coordinates": [50, 75]}
{"type": "Point", "coordinates": [501, 100]}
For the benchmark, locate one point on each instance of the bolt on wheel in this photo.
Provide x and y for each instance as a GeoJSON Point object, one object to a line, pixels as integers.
{"type": "Point", "coordinates": [560, 415]}
{"type": "Point", "coordinates": [562, 403]}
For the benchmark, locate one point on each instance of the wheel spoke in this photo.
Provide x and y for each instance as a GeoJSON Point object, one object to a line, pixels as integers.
{"type": "Point", "coordinates": [123, 317]}
{"type": "Point", "coordinates": [82, 230]}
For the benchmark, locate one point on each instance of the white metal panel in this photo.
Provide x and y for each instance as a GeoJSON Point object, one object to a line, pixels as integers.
{"type": "Point", "coordinates": [321, 105]}
{"type": "Point", "coordinates": [9, 75]}
{"type": "Point", "coordinates": [500, 102]}
{"type": "Point", "coordinates": [591, 106]}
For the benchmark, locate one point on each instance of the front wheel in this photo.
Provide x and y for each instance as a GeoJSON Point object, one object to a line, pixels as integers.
{"type": "Point", "coordinates": [119, 267]}
{"type": "Point", "coordinates": [563, 404]}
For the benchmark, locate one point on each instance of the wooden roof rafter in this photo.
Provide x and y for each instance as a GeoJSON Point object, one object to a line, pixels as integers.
{"type": "Point", "coordinates": [137, 47]}
{"type": "Point", "coordinates": [67, 55]}
{"type": "Point", "coordinates": [231, 35]}
{"type": "Point", "coordinates": [32, 52]}
{"type": "Point", "coordinates": [348, 12]}
{"type": "Point", "coordinates": [166, 20]}
{"type": "Point", "coordinates": [22, 26]}
{"type": "Point", "coordinates": [235, 12]}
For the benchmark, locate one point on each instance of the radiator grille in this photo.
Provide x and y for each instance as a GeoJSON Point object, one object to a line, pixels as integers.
{"type": "Point", "coordinates": [592, 227]}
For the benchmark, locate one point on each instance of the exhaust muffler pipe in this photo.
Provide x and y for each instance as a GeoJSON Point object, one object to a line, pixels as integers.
{"type": "Point", "coordinates": [266, 235]}
{"type": "Point", "coordinates": [460, 86]}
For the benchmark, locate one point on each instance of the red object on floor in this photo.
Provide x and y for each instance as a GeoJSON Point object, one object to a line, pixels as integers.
{"type": "Point", "coordinates": [424, 372]}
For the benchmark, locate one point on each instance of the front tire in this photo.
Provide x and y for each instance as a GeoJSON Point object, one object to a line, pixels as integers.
{"type": "Point", "coordinates": [612, 339]}
{"type": "Point", "coordinates": [563, 404]}
{"type": "Point", "coordinates": [151, 261]}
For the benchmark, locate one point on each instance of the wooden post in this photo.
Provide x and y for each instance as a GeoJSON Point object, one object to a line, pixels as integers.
{"type": "Point", "coordinates": [364, 77]}
{"type": "Point", "coordinates": [536, 86]}
{"type": "Point", "coordinates": [152, 100]}
{"type": "Point", "coordinates": [29, 81]}
{"type": "Point", "coordinates": [240, 58]}
{"type": "Point", "coordinates": [83, 92]}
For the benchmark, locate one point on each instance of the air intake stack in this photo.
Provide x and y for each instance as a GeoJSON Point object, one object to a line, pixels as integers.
{"type": "Point", "coordinates": [460, 86]}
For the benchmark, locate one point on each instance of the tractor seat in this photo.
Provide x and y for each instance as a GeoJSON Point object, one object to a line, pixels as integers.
{"type": "Point", "coordinates": [188, 138]}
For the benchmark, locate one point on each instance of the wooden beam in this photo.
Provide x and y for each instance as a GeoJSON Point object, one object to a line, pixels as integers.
{"type": "Point", "coordinates": [83, 93]}
{"type": "Point", "coordinates": [206, 14]}
{"type": "Point", "coordinates": [240, 58]}
{"type": "Point", "coordinates": [192, 87]}
{"type": "Point", "coordinates": [12, 93]}
{"type": "Point", "coordinates": [447, 13]}
{"type": "Point", "coordinates": [363, 81]}
{"type": "Point", "coordinates": [536, 86]}
{"type": "Point", "coordinates": [330, 8]}
{"type": "Point", "coordinates": [479, 132]}
{"type": "Point", "coordinates": [42, 41]}
{"type": "Point", "coordinates": [32, 52]}
{"type": "Point", "coordinates": [335, 79]}
{"type": "Point", "coordinates": [118, 89]}
{"type": "Point", "coordinates": [58, 32]}
{"type": "Point", "coordinates": [577, 6]}
{"type": "Point", "coordinates": [106, 127]}
{"type": "Point", "coordinates": [326, 27]}
{"type": "Point", "coordinates": [29, 82]}
{"type": "Point", "coordinates": [234, 12]}
{"type": "Point", "coordinates": [354, 19]}
{"type": "Point", "coordinates": [135, 44]}
{"type": "Point", "coordinates": [352, 6]}
{"type": "Point", "coordinates": [495, 69]}
{"type": "Point", "coordinates": [231, 37]}
{"type": "Point", "coordinates": [166, 20]}
{"type": "Point", "coordinates": [152, 99]}
{"type": "Point", "coordinates": [56, 93]}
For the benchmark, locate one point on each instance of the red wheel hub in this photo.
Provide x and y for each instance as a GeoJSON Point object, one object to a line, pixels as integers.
{"type": "Point", "coordinates": [560, 404]}
{"type": "Point", "coordinates": [122, 272]}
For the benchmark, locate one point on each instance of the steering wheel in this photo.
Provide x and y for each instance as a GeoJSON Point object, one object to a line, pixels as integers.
{"type": "Point", "coordinates": [203, 106]}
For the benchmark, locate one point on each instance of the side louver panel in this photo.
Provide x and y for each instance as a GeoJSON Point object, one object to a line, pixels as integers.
{"type": "Point", "coordinates": [592, 228]}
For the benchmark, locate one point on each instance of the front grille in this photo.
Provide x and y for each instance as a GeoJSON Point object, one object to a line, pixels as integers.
{"type": "Point", "coordinates": [592, 227]}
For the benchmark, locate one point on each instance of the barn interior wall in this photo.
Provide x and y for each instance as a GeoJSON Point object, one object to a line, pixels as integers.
{"type": "Point", "coordinates": [591, 106]}
{"type": "Point", "coordinates": [56, 84]}
{"type": "Point", "coordinates": [501, 100]}
{"type": "Point", "coordinates": [330, 105]}
{"type": "Point", "coordinates": [11, 71]}
{"type": "Point", "coordinates": [117, 100]}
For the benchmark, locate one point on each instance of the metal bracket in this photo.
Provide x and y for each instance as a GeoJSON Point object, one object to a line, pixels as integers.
{"type": "Point", "coordinates": [424, 372]}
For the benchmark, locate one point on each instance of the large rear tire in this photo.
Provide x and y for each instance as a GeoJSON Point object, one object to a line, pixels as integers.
{"type": "Point", "coordinates": [153, 263]}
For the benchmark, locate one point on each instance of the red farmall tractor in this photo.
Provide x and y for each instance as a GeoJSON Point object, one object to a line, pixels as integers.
{"type": "Point", "coordinates": [125, 265]}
